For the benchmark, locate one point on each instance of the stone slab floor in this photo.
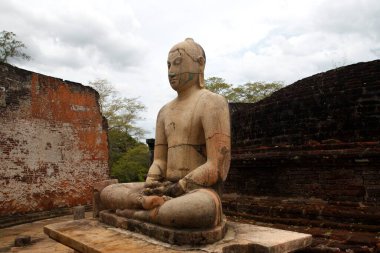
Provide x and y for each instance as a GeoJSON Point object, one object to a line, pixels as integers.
{"type": "Point", "coordinates": [325, 240]}
{"type": "Point", "coordinates": [41, 243]}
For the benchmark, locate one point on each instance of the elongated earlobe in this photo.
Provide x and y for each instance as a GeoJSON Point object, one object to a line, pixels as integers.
{"type": "Point", "coordinates": [201, 61]}
{"type": "Point", "coordinates": [201, 80]}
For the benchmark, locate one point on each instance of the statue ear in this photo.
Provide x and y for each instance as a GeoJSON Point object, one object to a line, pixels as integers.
{"type": "Point", "coordinates": [201, 60]}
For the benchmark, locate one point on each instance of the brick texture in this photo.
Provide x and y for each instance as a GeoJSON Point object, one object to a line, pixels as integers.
{"type": "Point", "coordinates": [311, 150]}
{"type": "Point", "coordinates": [53, 142]}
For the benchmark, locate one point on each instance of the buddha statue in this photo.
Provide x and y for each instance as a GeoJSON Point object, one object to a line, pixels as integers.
{"type": "Point", "coordinates": [191, 154]}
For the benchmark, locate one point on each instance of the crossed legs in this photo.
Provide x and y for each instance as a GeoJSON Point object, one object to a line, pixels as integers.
{"type": "Point", "coordinates": [200, 208]}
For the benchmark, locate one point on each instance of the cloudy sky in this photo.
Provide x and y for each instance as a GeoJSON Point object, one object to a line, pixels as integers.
{"type": "Point", "coordinates": [127, 41]}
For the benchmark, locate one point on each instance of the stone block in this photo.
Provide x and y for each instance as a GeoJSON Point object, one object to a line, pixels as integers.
{"type": "Point", "coordinates": [22, 240]}
{"type": "Point", "coordinates": [97, 188]}
{"type": "Point", "coordinates": [92, 236]}
{"type": "Point", "coordinates": [78, 212]}
{"type": "Point", "coordinates": [165, 234]}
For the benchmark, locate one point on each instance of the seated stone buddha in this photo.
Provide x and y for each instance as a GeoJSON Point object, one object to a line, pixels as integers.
{"type": "Point", "coordinates": [191, 154]}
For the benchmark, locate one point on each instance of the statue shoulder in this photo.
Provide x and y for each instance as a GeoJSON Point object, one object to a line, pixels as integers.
{"type": "Point", "coordinates": [211, 100]}
{"type": "Point", "coordinates": [164, 109]}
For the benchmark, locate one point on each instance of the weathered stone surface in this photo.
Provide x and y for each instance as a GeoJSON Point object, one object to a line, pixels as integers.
{"type": "Point", "coordinates": [330, 238]}
{"type": "Point", "coordinates": [97, 188]}
{"type": "Point", "coordinates": [53, 143]}
{"type": "Point", "coordinates": [92, 236]}
{"type": "Point", "coordinates": [40, 242]}
{"type": "Point", "coordinates": [165, 234]}
{"type": "Point", "coordinates": [7, 221]}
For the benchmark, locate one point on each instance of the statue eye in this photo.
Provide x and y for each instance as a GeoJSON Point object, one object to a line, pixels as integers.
{"type": "Point", "coordinates": [169, 64]}
{"type": "Point", "coordinates": [178, 60]}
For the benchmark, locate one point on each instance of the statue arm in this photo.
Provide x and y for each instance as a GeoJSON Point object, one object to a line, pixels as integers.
{"type": "Point", "coordinates": [157, 170]}
{"type": "Point", "coordinates": [216, 125]}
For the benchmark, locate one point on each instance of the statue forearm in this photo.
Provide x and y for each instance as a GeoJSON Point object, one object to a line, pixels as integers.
{"type": "Point", "coordinates": [156, 171]}
{"type": "Point", "coordinates": [216, 167]}
{"type": "Point", "coordinates": [205, 175]}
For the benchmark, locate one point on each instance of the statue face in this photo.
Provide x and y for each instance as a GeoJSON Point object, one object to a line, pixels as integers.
{"type": "Point", "coordinates": [183, 71]}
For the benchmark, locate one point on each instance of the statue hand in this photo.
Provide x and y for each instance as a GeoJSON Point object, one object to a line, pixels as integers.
{"type": "Point", "coordinates": [155, 188]}
{"type": "Point", "coordinates": [174, 190]}
{"type": "Point", "coordinates": [155, 183]}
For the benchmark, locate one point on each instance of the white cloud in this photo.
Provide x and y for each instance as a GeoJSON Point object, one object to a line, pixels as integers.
{"type": "Point", "coordinates": [63, 33]}
{"type": "Point", "coordinates": [127, 41]}
{"type": "Point", "coordinates": [303, 39]}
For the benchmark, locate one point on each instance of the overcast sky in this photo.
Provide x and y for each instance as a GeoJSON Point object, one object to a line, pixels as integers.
{"type": "Point", "coordinates": [127, 41]}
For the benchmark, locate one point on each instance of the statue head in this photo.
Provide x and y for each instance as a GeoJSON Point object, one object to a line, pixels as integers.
{"type": "Point", "coordinates": [186, 64]}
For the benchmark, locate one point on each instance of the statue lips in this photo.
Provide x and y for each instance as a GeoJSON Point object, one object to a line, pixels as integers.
{"type": "Point", "coordinates": [172, 77]}
{"type": "Point", "coordinates": [173, 82]}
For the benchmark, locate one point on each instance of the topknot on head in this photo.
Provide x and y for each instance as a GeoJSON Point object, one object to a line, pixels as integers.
{"type": "Point", "coordinates": [191, 48]}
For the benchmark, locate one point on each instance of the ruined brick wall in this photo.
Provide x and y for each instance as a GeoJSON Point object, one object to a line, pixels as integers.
{"type": "Point", "coordinates": [53, 142]}
{"type": "Point", "coordinates": [310, 150]}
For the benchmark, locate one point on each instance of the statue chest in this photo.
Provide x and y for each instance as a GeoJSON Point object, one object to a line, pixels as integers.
{"type": "Point", "coordinates": [184, 126]}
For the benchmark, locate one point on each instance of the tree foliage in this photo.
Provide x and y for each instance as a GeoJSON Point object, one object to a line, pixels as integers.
{"type": "Point", "coordinates": [133, 165]}
{"type": "Point", "coordinates": [119, 143]}
{"type": "Point", "coordinates": [121, 112]}
{"type": "Point", "coordinates": [10, 47]}
{"type": "Point", "coordinates": [129, 159]}
{"type": "Point", "coordinates": [219, 86]}
{"type": "Point", "coordinates": [250, 92]}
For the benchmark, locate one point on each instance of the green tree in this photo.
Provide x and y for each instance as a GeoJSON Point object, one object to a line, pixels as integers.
{"type": "Point", "coordinates": [133, 165]}
{"type": "Point", "coordinates": [119, 143]}
{"type": "Point", "coordinates": [247, 93]}
{"type": "Point", "coordinates": [122, 114]}
{"type": "Point", "coordinates": [218, 85]}
{"type": "Point", "coordinates": [10, 47]}
{"type": "Point", "coordinates": [253, 92]}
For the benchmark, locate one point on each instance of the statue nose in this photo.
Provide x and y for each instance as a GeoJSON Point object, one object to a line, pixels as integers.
{"type": "Point", "coordinates": [171, 74]}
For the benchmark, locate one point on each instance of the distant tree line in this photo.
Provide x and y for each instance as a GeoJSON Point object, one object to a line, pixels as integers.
{"type": "Point", "coordinates": [250, 92]}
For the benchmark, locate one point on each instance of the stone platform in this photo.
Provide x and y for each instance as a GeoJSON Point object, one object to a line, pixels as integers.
{"type": "Point", "coordinates": [92, 236]}
{"type": "Point", "coordinates": [165, 234]}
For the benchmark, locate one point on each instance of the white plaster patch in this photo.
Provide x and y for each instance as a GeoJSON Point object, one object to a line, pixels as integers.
{"type": "Point", "coordinates": [79, 108]}
{"type": "Point", "coordinates": [45, 160]}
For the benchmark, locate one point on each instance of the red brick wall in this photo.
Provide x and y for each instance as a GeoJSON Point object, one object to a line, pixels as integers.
{"type": "Point", "coordinates": [53, 142]}
{"type": "Point", "coordinates": [310, 150]}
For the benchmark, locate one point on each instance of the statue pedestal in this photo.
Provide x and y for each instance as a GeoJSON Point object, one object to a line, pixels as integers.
{"type": "Point", "coordinates": [165, 234]}
{"type": "Point", "coordinates": [92, 236]}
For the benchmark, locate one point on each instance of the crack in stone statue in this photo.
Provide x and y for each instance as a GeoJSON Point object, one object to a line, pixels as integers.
{"type": "Point", "coordinates": [191, 156]}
